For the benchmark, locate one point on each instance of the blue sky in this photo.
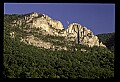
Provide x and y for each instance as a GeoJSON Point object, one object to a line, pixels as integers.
{"type": "Point", "coordinates": [99, 18]}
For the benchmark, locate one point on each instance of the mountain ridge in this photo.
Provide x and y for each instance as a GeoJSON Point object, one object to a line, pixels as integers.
{"type": "Point", "coordinates": [33, 53]}
{"type": "Point", "coordinates": [108, 39]}
{"type": "Point", "coordinates": [47, 26]}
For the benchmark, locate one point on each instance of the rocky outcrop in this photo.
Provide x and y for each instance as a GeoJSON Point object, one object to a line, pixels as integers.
{"type": "Point", "coordinates": [12, 34]}
{"type": "Point", "coordinates": [35, 20]}
{"type": "Point", "coordinates": [75, 32]}
{"type": "Point", "coordinates": [31, 40]}
{"type": "Point", "coordinates": [82, 35]}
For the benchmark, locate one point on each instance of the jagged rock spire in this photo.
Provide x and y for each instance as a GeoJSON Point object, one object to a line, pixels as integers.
{"type": "Point", "coordinates": [83, 35]}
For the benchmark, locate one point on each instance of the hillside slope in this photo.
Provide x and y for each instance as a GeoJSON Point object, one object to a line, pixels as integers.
{"type": "Point", "coordinates": [57, 56]}
{"type": "Point", "coordinates": [108, 39]}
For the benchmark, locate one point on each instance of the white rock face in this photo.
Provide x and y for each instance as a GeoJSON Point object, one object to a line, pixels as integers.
{"type": "Point", "coordinates": [45, 22]}
{"type": "Point", "coordinates": [75, 32]}
{"type": "Point", "coordinates": [56, 24]}
{"type": "Point", "coordinates": [31, 40]}
{"type": "Point", "coordinates": [34, 14]}
{"type": "Point", "coordinates": [12, 34]}
{"type": "Point", "coordinates": [85, 36]}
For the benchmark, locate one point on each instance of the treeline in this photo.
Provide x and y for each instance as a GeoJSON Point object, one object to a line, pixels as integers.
{"type": "Point", "coordinates": [10, 17]}
{"type": "Point", "coordinates": [108, 39]}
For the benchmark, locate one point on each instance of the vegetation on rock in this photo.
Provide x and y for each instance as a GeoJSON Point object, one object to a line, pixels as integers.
{"type": "Point", "coordinates": [108, 39]}
{"type": "Point", "coordinates": [26, 61]}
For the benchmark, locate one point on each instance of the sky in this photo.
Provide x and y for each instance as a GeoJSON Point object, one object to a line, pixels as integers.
{"type": "Point", "coordinates": [99, 18]}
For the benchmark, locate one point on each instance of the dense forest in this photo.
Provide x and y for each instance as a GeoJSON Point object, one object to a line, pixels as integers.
{"type": "Point", "coordinates": [108, 39]}
{"type": "Point", "coordinates": [27, 61]}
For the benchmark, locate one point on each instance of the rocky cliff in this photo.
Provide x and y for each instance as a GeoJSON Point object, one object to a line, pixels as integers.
{"type": "Point", "coordinates": [44, 25]}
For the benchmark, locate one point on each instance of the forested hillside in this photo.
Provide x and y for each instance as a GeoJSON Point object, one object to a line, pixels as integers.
{"type": "Point", "coordinates": [26, 61]}
{"type": "Point", "coordinates": [108, 39]}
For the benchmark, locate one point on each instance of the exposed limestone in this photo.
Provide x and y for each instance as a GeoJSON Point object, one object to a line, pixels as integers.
{"type": "Point", "coordinates": [34, 14]}
{"type": "Point", "coordinates": [83, 35]}
{"type": "Point", "coordinates": [33, 20]}
{"type": "Point", "coordinates": [102, 44]}
{"type": "Point", "coordinates": [83, 50]}
{"type": "Point", "coordinates": [12, 34]}
{"type": "Point", "coordinates": [75, 32]}
{"type": "Point", "coordinates": [31, 40]}
{"type": "Point", "coordinates": [56, 24]}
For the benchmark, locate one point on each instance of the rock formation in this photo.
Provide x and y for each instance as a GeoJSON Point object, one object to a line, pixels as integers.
{"type": "Point", "coordinates": [12, 34]}
{"type": "Point", "coordinates": [82, 35]}
{"type": "Point", "coordinates": [75, 32]}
